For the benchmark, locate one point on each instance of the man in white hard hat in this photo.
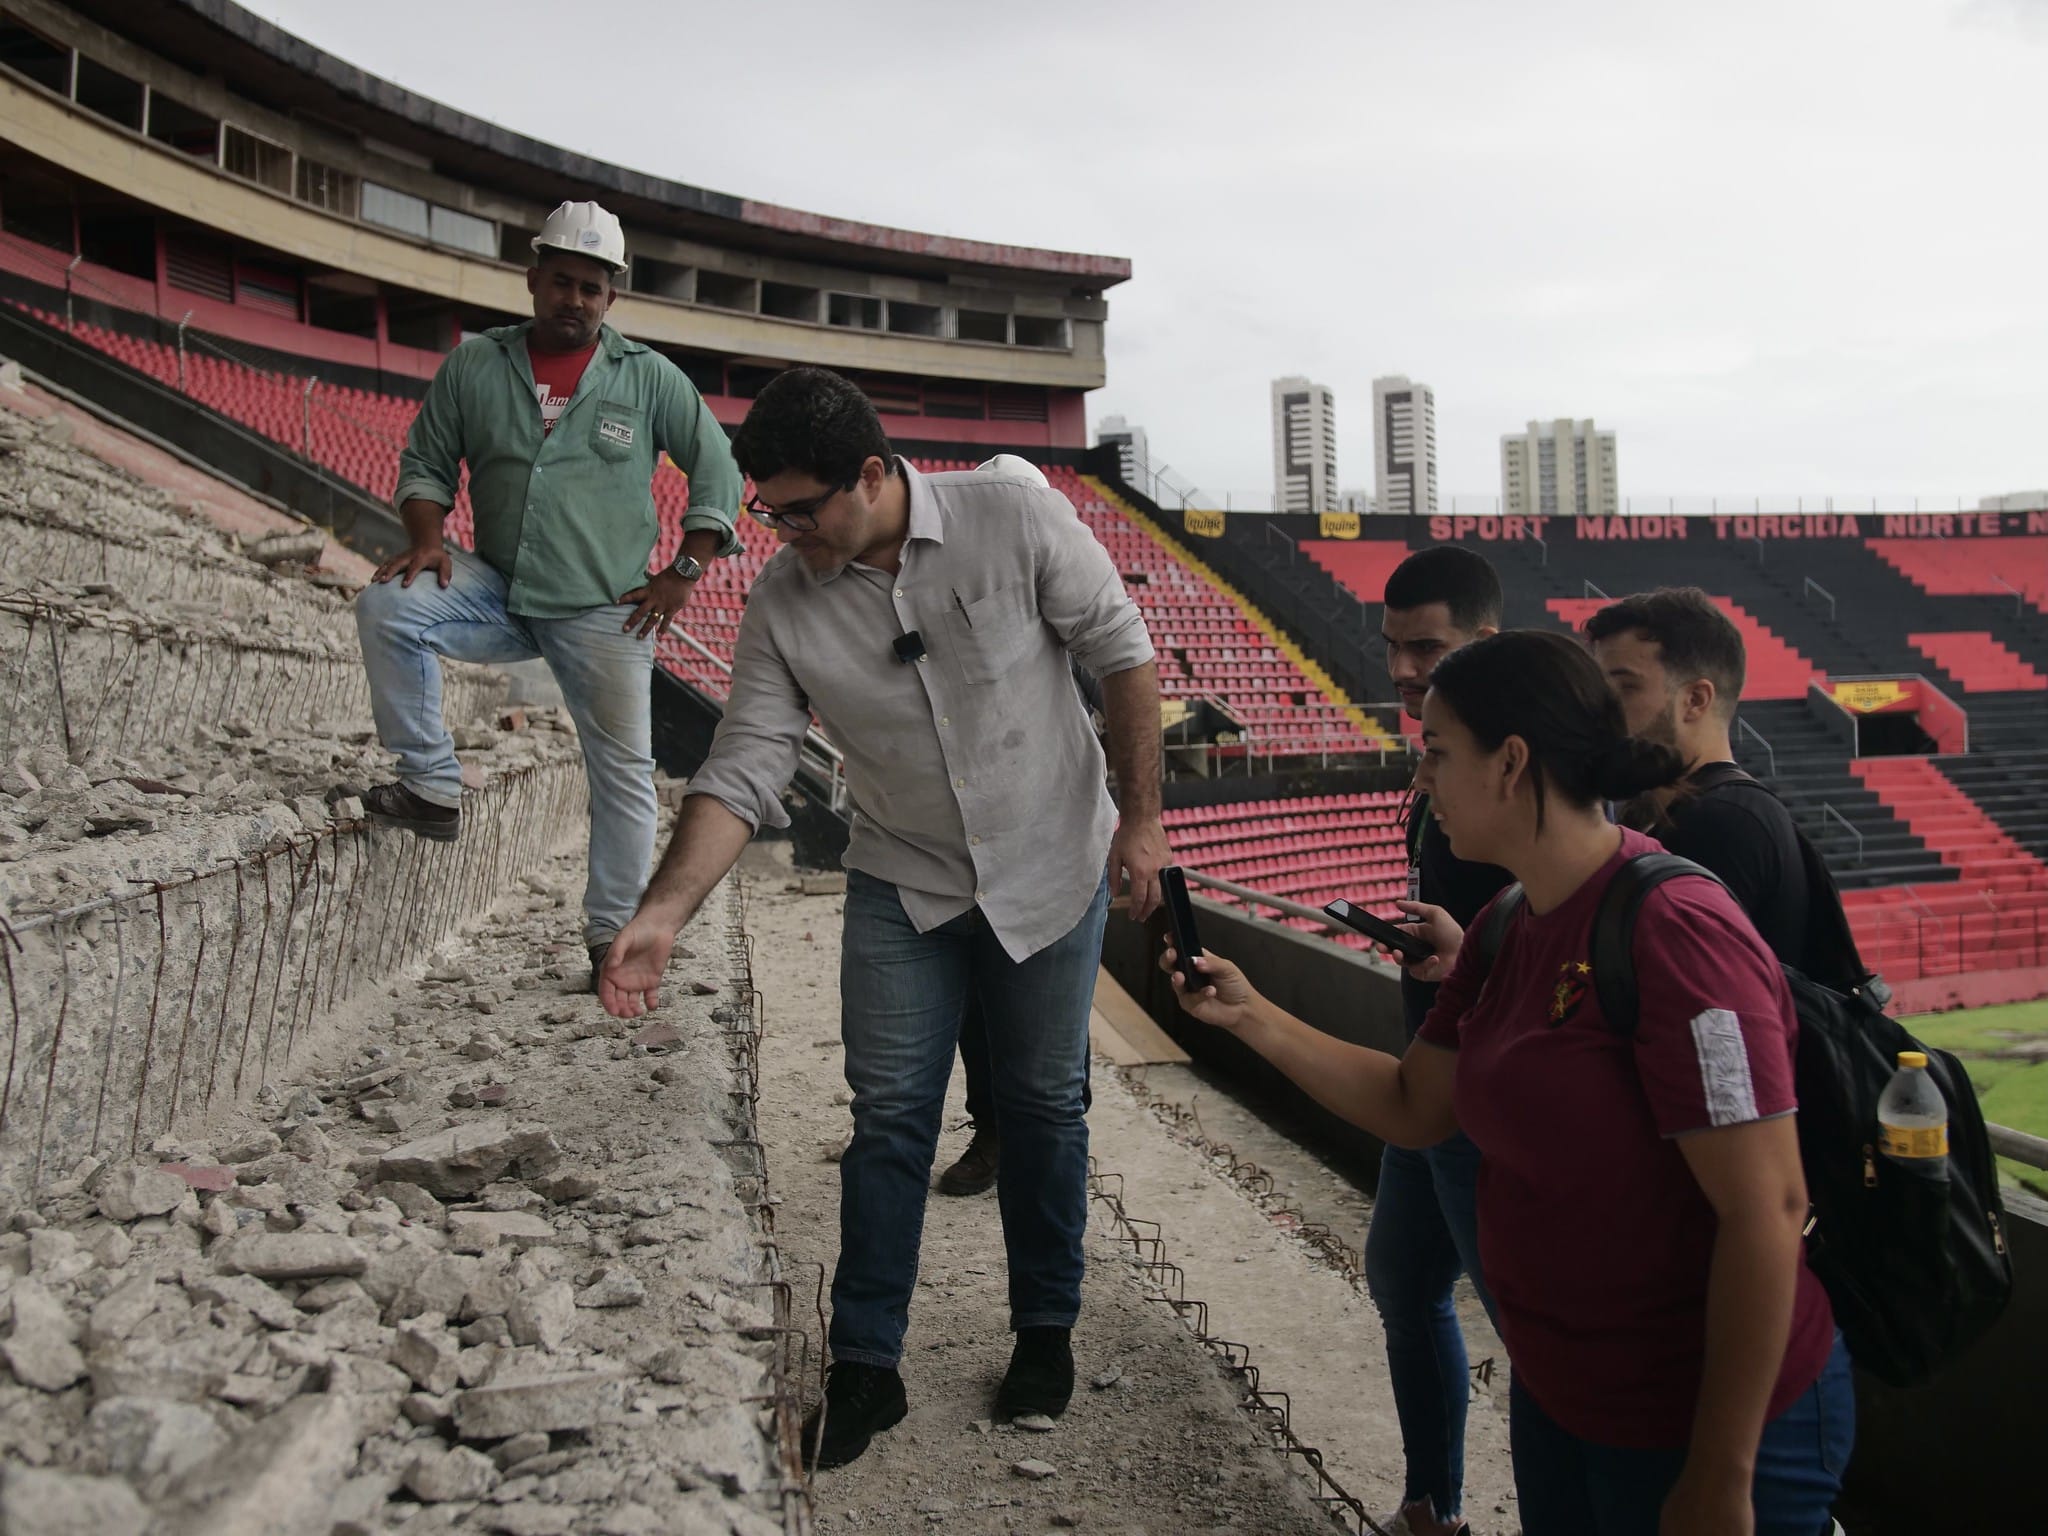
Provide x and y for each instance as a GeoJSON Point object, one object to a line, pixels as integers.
{"type": "Point", "coordinates": [562, 422]}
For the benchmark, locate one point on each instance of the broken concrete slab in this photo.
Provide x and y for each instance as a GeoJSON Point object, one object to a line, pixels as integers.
{"type": "Point", "coordinates": [475, 1231]}
{"type": "Point", "coordinates": [274, 1480]}
{"type": "Point", "coordinates": [40, 1350]}
{"type": "Point", "coordinates": [439, 1477]}
{"type": "Point", "coordinates": [575, 1400]}
{"type": "Point", "coordinates": [152, 1441]}
{"type": "Point", "coordinates": [46, 1503]}
{"type": "Point", "coordinates": [544, 1316]}
{"type": "Point", "coordinates": [294, 1255]}
{"type": "Point", "coordinates": [463, 1159]}
{"type": "Point", "coordinates": [128, 1194]}
{"type": "Point", "coordinates": [427, 1352]}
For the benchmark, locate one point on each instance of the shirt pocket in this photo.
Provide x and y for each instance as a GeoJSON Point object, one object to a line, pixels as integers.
{"type": "Point", "coordinates": [990, 633]}
{"type": "Point", "coordinates": [618, 431]}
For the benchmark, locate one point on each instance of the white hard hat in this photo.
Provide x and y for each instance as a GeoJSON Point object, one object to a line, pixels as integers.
{"type": "Point", "coordinates": [584, 229]}
{"type": "Point", "coordinates": [1010, 464]}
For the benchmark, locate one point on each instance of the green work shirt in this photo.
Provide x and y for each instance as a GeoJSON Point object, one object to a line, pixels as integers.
{"type": "Point", "coordinates": [567, 517]}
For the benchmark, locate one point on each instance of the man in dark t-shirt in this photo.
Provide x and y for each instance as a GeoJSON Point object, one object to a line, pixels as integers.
{"type": "Point", "coordinates": [1678, 663]}
{"type": "Point", "coordinates": [1425, 1225]}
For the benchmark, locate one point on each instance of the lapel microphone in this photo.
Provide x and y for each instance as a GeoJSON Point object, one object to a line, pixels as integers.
{"type": "Point", "coordinates": [909, 648]}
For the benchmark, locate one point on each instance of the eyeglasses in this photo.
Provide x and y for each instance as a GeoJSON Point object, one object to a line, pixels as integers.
{"type": "Point", "coordinates": [798, 516]}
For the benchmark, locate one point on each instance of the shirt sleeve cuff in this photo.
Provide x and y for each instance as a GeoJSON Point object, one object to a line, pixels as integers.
{"type": "Point", "coordinates": [419, 488]}
{"type": "Point", "coordinates": [721, 523]}
{"type": "Point", "coordinates": [1123, 646]}
{"type": "Point", "coordinates": [757, 811]}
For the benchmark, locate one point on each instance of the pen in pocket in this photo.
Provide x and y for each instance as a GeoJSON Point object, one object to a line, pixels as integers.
{"type": "Point", "coordinates": [961, 603]}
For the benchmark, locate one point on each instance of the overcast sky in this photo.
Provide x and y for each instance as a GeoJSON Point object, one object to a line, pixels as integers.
{"type": "Point", "coordinates": [1778, 245]}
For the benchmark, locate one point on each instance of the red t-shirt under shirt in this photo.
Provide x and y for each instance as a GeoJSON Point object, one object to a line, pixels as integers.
{"type": "Point", "coordinates": [1595, 1237]}
{"type": "Point", "coordinates": [555, 377]}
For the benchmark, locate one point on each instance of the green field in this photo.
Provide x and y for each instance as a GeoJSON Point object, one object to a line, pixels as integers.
{"type": "Point", "coordinates": [2012, 1089]}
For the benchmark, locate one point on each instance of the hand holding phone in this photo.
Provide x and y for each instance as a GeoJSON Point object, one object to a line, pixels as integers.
{"type": "Point", "coordinates": [1180, 917]}
{"type": "Point", "coordinates": [1412, 950]}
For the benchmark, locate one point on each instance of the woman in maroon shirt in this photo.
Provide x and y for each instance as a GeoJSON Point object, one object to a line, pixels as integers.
{"type": "Point", "coordinates": [1676, 1367]}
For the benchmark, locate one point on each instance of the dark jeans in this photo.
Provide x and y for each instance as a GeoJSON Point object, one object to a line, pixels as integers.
{"type": "Point", "coordinates": [1424, 1232]}
{"type": "Point", "coordinates": [1571, 1487]}
{"type": "Point", "coordinates": [902, 995]}
{"type": "Point", "coordinates": [981, 1102]}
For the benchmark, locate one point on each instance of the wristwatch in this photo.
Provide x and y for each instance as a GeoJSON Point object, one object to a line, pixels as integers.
{"type": "Point", "coordinates": [689, 567]}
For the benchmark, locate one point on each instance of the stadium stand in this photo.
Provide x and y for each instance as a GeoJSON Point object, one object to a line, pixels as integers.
{"type": "Point", "coordinates": [1211, 645]}
{"type": "Point", "coordinates": [1311, 849]}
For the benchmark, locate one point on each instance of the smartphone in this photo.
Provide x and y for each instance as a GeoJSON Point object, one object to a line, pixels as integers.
{"type": "Point", "coordinates": [1180, 916]}
{"type": "Point", "coordinates": [1413, 951]}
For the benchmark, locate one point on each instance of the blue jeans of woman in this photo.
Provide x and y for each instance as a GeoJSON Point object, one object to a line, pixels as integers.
{"type": "Point", "coordinates": [1424, 1232]}
{"type": "Point", "coordinates": [1572, 1487]}
{"type": "Point", "coordinates": [902, 994]}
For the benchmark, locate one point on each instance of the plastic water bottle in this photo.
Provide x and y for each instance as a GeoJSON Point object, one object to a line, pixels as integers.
{"type": "Point", "coordinates": [1912, 1118]}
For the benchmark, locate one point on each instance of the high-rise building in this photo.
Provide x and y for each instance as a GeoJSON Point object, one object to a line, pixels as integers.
{"type": "Point", "coordinates": [1561, 468]}
{"type": "Point", "coordinates": [1354, 500]}
{"type": "Point", "coordinates": [1132, 451]}
{"type": "Point", "coordinates": [1304, 446]}
{"type": "Point", "coordinates": [1404, 446]}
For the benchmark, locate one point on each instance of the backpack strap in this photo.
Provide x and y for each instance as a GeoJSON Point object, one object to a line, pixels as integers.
{"type": "Point", "coordinates": [1831, 956]}
{"type": "Point", "coordinates": [1499, 917]}
{"type": "Point", "coordinates": [1614, 931]}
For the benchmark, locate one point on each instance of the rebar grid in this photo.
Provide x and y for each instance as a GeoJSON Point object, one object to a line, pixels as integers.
{"type": "Point", "coordinates": [214, 974]}
{"type": "Point", "coordinates": [1270, 1411]}
{"type": "Point", "coordinates": [741, 1022]}
{"type": "Point", "coordinates": [100, 682]}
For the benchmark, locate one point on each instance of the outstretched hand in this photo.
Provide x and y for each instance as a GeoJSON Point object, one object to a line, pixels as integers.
{"type": "Point", "coordinates": [630, 982]}
{"type": "Point", "coordinates": [1440, 931]}
{"type": "Point", "coordinates": [1224, 999]}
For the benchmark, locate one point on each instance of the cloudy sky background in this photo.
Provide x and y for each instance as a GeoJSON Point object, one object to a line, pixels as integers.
{"type": "Point", "coordinates": [1790, 247]}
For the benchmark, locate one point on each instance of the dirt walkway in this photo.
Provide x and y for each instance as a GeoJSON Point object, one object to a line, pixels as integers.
{"type": "Point", "coordinates": [1162, 1451]}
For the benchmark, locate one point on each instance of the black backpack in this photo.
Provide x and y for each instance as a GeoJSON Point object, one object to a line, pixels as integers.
{"type": "Point", "coordinates": [1916, 1267]}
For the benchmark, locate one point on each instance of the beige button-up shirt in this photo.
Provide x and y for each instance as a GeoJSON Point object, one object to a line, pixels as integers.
{"type": "Point", "coordinates": [974, 775]}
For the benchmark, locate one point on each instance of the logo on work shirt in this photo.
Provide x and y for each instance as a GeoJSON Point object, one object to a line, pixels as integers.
{"type": "Point", "coordinates": [1570, 990]}
{"type": "Point", "coordinates": [617, 431]}
{"type": "Point", "coordinates": [551, 406]}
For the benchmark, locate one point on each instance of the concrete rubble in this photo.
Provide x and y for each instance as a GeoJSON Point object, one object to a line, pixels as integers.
{"type": "Point", "coordinates": [440, 1254]}
{"type": "Point", "coordinates": [409, 1329]}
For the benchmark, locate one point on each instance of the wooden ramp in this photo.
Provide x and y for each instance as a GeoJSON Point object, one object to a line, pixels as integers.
{"type": "Point", "coordinates": [1124, 1032]}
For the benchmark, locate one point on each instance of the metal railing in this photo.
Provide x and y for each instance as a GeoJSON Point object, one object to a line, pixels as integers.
{"type": "Point", "coordinates": [1828, 811]}
{"type": "Point", "coordinates": [1813, 586]}
{"type": "Point", "coordinates": [2020, 1146]}
{"type": "Point", "coordinates": [1744, 728]}
{"type": "Point", "coordinates": [1587, 589]}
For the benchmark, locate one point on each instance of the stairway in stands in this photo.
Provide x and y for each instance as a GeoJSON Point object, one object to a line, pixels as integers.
{"type": "Point", "coordinates": [1995, 914]}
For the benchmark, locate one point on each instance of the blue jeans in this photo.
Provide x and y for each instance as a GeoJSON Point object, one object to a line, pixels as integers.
{"type": "Point", "coordinates": [1571, 1487]}
{"type": "Point", "coordinates": [605, 678]}
{"type": "Point", "coordinates": [1424, 1232]}
{"type": "Point", "coordinates": [902, 994]}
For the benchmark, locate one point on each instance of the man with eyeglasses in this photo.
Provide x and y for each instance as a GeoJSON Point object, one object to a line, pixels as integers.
{"type": "Point", "coordinates": [928, 620]}
{"type": "Point", "coordinates": [562, 423]}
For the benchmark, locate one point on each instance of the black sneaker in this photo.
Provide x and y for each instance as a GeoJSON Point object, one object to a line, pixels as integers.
{"type": "Point", "coordinates": [860, 1402]}
{"type": "Point", "coordinates": [597, 954]}
{"type": "Point", "coordinates": [393, 805]}
{"type": "Point", "coordinates": [975, 1173]}
{"type": "Point", "coordinates": [1041, 1374]}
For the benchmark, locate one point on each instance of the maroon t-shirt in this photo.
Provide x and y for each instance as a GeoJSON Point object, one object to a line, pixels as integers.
{"type": "Point", "coordinates": [1595, 1237]}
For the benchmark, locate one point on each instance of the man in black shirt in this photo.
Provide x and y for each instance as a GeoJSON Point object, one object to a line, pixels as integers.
{"type": "Point", "coordinates": [1678, 664]}
{"type": "Point", "coordinates": [1425, 1225]}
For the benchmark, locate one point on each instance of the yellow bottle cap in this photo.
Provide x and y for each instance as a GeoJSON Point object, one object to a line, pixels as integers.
{"type": "Point", "coordinates": [1912, 1058]}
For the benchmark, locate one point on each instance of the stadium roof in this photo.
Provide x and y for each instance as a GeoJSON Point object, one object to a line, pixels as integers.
{"type": "Point", "coordinates": [269, 65]}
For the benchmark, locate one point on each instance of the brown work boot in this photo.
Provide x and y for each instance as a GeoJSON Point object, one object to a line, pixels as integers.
{"type": "Point", "coordinates": [975, 1173]}
{"type": "Point", "coordinates": [393, 805]}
